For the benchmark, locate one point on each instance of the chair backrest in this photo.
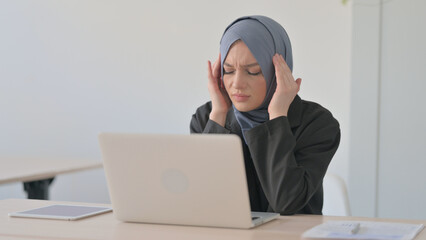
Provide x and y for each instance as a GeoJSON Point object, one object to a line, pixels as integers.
{"type": "Point", "coordinates": [336, 200]}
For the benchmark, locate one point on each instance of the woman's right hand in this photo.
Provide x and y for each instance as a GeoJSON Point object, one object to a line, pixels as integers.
{"type": "Point", "coordinates": [218, 95]}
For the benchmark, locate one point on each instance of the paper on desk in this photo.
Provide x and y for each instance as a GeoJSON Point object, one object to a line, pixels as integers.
{"type": "Point", "coordinates": [367, 230]}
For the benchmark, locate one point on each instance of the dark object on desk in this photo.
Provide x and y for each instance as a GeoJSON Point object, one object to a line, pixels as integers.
{"type": "Point", "coordinates": [38, 189]}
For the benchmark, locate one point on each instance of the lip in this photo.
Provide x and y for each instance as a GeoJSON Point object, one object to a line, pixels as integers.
{"type": "Point", "coordinates": [240, 97]}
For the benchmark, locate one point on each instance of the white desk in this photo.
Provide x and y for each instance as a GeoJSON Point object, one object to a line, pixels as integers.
{"type": "Point", "coordinates": [20, 169]}
{"type": "Point", "coordinates": [106, 227]}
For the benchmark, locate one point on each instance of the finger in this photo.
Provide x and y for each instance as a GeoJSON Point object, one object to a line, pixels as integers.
{"type": "Point", "coordinates": [279, 70]}
{"type": "Point", "coordinates": [214, 74]}
{"type": "Point", "coordinates": [284, 77]}
{"type": "Point", "coordinates": [284, 62]}
{"type": "Point", "coordinates": [278, 61]}
{"type": "Point", "coordinates": [219, 67]}
{"type": "Point", "coordinates": [298, 82]}
{"type": "Point", "coordinates": [287, 71]}
{"type": "Point", "coordinates": [212, 80]}
{"type": "Point", "coordinates": [216, 67]}
{"type": "Point", "coordinates": [209, 69]}
{"type": "Point", "coordinates": [217, 72]}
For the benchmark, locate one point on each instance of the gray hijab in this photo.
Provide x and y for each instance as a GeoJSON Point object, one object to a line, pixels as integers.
{"type": "Point", "coordinates": [264, 37]}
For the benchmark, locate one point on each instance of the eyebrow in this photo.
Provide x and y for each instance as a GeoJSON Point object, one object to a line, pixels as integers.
{"type": "Point", "coordinates": [248, 65]}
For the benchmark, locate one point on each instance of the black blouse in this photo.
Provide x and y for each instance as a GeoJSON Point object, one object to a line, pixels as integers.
{"type": "Point", "coordinates": [285, 158]}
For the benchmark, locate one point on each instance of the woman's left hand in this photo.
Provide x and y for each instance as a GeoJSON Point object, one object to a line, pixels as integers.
{"type": "Point", "coordinates": [286, 91]}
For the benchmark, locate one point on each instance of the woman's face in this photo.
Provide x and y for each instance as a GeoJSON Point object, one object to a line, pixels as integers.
{"type": "Point", "coordinates": [243, 78]}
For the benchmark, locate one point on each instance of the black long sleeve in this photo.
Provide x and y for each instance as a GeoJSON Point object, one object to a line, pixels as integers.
{"type": "Point", "coordinates": [289, 155]}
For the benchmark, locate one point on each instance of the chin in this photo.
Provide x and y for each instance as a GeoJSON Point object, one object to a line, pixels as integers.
{"type": "Point", "coordinates": [243, 107]}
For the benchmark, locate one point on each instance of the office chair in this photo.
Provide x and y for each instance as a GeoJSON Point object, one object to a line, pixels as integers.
{"type": "Point", "coordinates": [336, 200]}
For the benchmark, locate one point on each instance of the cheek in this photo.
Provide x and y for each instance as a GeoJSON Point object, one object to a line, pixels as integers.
{"type": "Point", "coordinates": [260, 88]}
{"type": "Point", "coordinates": [226, 82]}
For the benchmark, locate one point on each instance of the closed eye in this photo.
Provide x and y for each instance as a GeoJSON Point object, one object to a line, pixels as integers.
{"type": "Point", "coordinates": [255, 73]}
{"type": "Point", "coordinates": [228, 72]}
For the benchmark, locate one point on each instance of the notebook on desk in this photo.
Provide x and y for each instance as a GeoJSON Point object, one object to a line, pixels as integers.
{"type": "Point", "coordinates": [196, 180]}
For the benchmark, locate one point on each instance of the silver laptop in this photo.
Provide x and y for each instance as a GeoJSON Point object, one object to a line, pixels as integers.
{"type": "Point", "coordinates": [196, 180]}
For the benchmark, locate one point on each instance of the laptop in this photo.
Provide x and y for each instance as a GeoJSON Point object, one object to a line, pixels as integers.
{"type": "Point", "coordinates": [196, 180]}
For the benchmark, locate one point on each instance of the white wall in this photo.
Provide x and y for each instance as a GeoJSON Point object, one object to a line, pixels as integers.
{"type": "Point", "coordinates": [387, 157]}
{"type": "Point", "coordinates": [71, 69]}
{"type": "Point", "coordinates": [365, 72]}
{"type": "Point", "coordinates": [402, 149]}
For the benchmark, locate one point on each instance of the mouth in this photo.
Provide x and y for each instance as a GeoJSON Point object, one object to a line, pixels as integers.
{"type": "Point", "coordinates": [239, 97]}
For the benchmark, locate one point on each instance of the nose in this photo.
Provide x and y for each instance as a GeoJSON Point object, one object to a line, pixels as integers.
{"type": "Point", "coordinates": [239, 81]}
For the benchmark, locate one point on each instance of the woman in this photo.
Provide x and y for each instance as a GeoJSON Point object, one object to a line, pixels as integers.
{"type": "Point", "coordinates": [288, 143]}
